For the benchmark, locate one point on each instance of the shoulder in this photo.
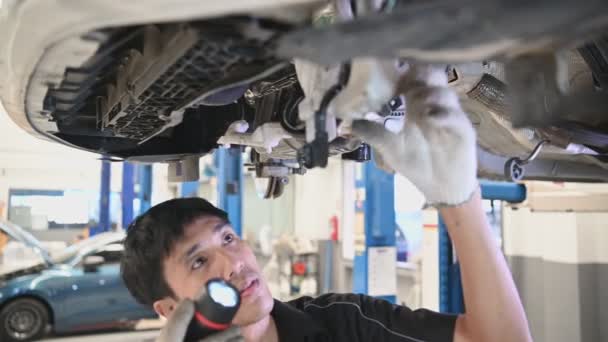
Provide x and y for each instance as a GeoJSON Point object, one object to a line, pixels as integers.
{"type": "Point", "coordinates": [326, 299]}
{"type": "Point", "coordinates": [369, 318]}
{"type": "Point", "coordinates": [347, 308]}
{"type": "Point", "coordinates": [344, 317]}
{"type": "Point", "coordinates": [337, 302]}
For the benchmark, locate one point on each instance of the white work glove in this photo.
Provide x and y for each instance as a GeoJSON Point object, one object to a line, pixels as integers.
{"type": "Point", "coordinates": [436, 150]}
{"type": "Point", "coordinates": [176, 327]}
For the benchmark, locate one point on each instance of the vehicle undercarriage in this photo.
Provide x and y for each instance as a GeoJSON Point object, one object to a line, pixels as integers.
{"type": "Point", "coordinates": [287, 81]}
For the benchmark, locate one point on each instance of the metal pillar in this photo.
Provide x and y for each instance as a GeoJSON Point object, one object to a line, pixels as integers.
{"type": "Point", "coordinates": [230, 184]}
{"type": "Point", "coordinates": [127, 193]}
{"type": "Point", "coordinates": [144, 174]}
{"type": "Point", "coordinates": [189, 189]}
{"type": "Point", "coordinates": [104, 200]}
{"type": "Point", "coordinates": [375, 263]}
{"type": "Point", "coordinates": [450, 286]}
{"type": "Point", "coordinates": [451, 299]}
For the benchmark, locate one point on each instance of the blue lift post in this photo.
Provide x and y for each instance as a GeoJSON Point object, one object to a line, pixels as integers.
{"type": "Point", "coordinates": [451, 299]}
{"type": "Point", "coordinates": [380, 224]}
{"type": "Point", "coordinates": [127, 193]}
{"type": "Point", "coordinates": [230, 184]}
{"type": "Point", "coordinates": [144, 173]}
{"type": "Point", "coordinates": [189, 189]}
{"type": "Point", "coordinates": [104, 200]}
{"type": "Point", "coordinates": [136, 184]}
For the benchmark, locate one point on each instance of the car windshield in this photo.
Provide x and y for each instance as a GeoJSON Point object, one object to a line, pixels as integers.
{"type": "Point", "coordinates": [75, 251]}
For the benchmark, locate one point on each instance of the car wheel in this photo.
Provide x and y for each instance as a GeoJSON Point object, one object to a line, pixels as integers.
{"type": "Point", "coordinates": [23, 320]}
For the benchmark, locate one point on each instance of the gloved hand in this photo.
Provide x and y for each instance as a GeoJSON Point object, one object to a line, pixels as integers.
{"type": "Point", "coordinates": [176, 327]}
{"type": "Point", "coordinates": [436, 150]}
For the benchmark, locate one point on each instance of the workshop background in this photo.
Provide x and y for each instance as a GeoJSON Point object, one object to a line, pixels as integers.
{"type": "Point", "coordinates": [349, 227]}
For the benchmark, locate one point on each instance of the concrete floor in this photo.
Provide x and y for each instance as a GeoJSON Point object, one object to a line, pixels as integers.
{"type": "Point", "coordinates": [134, 336]}
{"type": "Point", "coordinates": [146, 330]}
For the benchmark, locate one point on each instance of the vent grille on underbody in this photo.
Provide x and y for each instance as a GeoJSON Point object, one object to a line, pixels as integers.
{"type": "Point", "coordinates": [141, 79]}
{"type": "Point", "coordinates": [211, 61]}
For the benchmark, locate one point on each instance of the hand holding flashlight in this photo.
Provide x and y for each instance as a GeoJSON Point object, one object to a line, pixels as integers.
{"type": "Point", "coordinates": [208, 319]}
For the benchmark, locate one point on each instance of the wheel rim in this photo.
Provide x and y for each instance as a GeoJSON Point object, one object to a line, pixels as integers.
{"type": "Point", "coordinates": [23, 323]}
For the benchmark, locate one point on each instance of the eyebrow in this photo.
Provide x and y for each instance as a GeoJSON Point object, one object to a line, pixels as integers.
{"type": "Point", "coordinates": [195, 247]}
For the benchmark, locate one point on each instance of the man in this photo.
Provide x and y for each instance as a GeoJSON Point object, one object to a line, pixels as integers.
{"type": "Point", "coordinates": [173, 249]}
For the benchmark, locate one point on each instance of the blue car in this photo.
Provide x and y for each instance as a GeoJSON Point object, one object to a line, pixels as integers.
{"type": "Point", "coordinates": [78, 290]}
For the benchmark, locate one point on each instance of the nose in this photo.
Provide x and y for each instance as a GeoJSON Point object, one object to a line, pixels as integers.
{"type": "Point", "coordinates": [230, 264]}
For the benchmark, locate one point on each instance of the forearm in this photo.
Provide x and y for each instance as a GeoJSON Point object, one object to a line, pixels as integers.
{"type": "Point", "coordinates": [493, 308]}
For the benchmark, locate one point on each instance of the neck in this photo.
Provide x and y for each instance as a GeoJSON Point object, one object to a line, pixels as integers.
{"type": "Point", "coordinates": [263, 330]}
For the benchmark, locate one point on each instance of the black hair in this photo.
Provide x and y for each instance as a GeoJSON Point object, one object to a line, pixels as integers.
{"type": "Point", "coordinates": [151, 238]}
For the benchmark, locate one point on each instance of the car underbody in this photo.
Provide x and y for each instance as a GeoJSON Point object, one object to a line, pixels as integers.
{"type": "Point", "coordinates": [152, 81]}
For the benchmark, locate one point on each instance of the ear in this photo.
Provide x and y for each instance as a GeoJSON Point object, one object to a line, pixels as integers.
{"type": "Point", "coordinates": [165, 307]}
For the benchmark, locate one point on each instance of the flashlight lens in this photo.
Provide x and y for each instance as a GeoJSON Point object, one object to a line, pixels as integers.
{"type": "Point", "coordinates": [222, 294]}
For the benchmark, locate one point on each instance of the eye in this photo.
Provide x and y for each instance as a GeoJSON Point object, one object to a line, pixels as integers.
{"type": "Point", "coordinates": [229, 238]}
{"type": "Point", "coordinates": [198, 263]}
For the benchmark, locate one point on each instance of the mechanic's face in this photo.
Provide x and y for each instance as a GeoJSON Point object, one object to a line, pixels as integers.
{"type": "Point", "coordinates": [211, 249]}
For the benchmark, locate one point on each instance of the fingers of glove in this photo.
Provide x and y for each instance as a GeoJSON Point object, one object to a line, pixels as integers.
{"type": "Point", "coordinates": [434, 102]}
{"type": "Point", "coordinates": [377, 136]}
{"type": "Point", "coordinates": [437, 113]}
{"type": "Point", "coordinates": [427, 93]}
{"type": "Point", "coordinates": [422, 76]}
{"type": "Point", "coordinates": [176, 327]}
{"type": "Point", "coordinates": [233, 334]}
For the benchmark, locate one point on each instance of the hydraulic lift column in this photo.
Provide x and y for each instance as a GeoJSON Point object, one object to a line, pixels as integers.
{"type": "Point", "coordinates": [104, 200]}
{"type": "Point", "coordinates": [450, 286]}
{"type": "Point", "coordinates": [128, 193]}
{"type": "Point", "coordinates": [230, 184]}
{"type": "Point", "coordinates": [375, 263]}
{"type": "Point", "coordinates": [144, 173]}
{"type": "Point", "coordinates": [136, 184]}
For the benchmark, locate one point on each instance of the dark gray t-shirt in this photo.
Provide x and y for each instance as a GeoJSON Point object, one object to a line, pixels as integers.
{"type": "Point", "coordinates": [354, 318]}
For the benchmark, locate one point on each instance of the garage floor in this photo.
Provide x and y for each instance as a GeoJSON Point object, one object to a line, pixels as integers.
{"type": "Point", "coordinates": [135, 336]}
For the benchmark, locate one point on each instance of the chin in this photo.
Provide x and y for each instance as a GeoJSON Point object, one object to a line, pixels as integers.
{"type": "Point", "coordinates": [253, 312]}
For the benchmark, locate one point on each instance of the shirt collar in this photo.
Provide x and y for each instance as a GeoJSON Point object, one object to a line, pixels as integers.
{"type": "Point", "coordinates": [293, 324]}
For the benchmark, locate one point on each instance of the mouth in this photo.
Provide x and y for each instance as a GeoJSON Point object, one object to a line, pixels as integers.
{"type": "Point", "coordinates": [250, 288]}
